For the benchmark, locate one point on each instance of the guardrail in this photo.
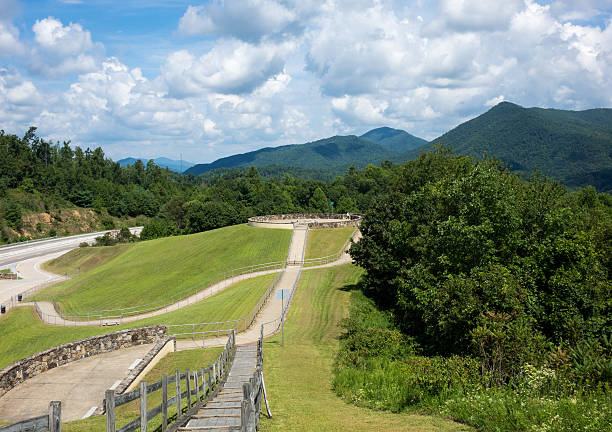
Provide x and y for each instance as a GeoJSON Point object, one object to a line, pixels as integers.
{"type": "Point", "coordinates": [206, 384]}
{"type": "Point", "coordinates": [27, 242]}
{"type": "Point", "coordinates": [180, 299]}
{"type": "Point", "coordinates": [49, 422]}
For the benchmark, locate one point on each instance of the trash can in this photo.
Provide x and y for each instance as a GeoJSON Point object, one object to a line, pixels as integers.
{"type": "Point", "coordinates": [2, 309]}
{"type": "Point", "coordinates": [19, 297]}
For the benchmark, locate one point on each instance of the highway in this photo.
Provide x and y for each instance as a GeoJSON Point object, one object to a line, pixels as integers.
{"type": "Point", "coordinates": [20, 252]}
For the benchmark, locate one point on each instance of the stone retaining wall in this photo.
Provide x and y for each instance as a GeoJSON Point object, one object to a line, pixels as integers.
{"type": "Point", "coordinates": [28, 367]}
{"type": "Point", "coordinates": [315, 220]}
{"type": "Point", "coordinates": [12, 276]}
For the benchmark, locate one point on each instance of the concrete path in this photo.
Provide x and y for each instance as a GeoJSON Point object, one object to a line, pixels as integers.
{"type": "Point", "coordinates": [224, 410]}
{"type": "Point", "coordinates": [50, 316]}
{"type": "Point", "coordinates": [80, 386]}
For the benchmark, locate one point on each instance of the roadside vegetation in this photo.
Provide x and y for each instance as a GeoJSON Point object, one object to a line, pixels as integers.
{"type": "Point", "coordinates": [327, 241]}
{"type": "Point", "coordinates": [299, 375]}
{"type": "Point", "coordinates": [152, 271]}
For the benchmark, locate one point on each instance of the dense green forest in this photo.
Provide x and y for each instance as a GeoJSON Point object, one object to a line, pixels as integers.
{"type": "Point", "coordinates": [39, 180]}
{"type": "Point", "coordinates": [486, 297]}
{"type": "Point", "coordinates": [574, 147]}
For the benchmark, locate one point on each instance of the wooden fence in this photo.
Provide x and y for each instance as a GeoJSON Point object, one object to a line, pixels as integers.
{"type": "Point", "coordinates": [200, 387]}
{"type": "Point", "coordinates": [49, 422]}
{"type": "Point", "coordinates": [253, 393]}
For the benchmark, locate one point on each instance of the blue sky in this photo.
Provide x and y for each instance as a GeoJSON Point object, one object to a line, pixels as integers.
{"type": "Point", "coordinates": [209, 79]}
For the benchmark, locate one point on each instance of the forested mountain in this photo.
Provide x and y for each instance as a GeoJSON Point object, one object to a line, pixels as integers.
{"type": "Point", "coordinates": [333, 155]}
{"type": "Point", "coordinates": [574, 147]}
{"type": "Point", "coordinates": [162, 162]}
{"type": "Point", "coordinates": [394, 139]}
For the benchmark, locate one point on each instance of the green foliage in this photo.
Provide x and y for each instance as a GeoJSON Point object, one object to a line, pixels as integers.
{"type": "Point", "coordinates": [12, 214]}
{"type": "Point", "coordinates": [318, 202]}
{"type": "Point", "coordinates": [474, 261]}
{"type": "Point", "coordinates": [539, 398]}
{"type": "Point", "coordinates": [571, 146]}
{"type": "Point", "coordinates": [157, 228]}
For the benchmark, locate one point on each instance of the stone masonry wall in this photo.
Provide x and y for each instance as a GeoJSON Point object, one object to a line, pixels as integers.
{"type": "Point", "coordinates": [28, 367]}
{"type": "Point", "coordinates": [329, 220]}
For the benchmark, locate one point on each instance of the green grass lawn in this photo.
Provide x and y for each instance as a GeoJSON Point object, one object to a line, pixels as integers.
{"type": "Point", "coordinates": [181, 360]}
{"type": "Point", "coordinates": [154, 270]}
{"type": "Point", "coordinates": [298, 376]}
{"type": "Point", "coordinates": [24, 334]}
{"type": "Point", "coordinates": [82, 260]}
{"type": "Point", "coordinates": [327, 241]}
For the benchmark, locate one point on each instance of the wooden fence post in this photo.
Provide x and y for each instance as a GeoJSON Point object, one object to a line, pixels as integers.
{"type": "Point", "coordinates": [55, 416]}
{"type": "Point", "coordinates": [188, 382]}
{"type": "Point", "coordinates": [177, 376]}
{"type": "Point", "coordinates": [110, 410]}
{"type": "Point", "coordinates": [143, 406]}
{"type": "Point", "coordinates": [203, 384]}
{"type": "Point", "coordinates": [197, 386]}
{"type": "Point", "coordinates": [164, 403]}
{"type": "Point", "coordinates": [214, 372]}
{"type": "Point", "coordinates": [209, 378]}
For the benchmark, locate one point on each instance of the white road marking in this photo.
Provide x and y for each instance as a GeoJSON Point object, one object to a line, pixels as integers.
{"type": "Point", "coordinates": [133, 365]}
{"type": "Point", "coordinates": [114, 386]}
{"type": "Point", "coordinates": [90, 412]}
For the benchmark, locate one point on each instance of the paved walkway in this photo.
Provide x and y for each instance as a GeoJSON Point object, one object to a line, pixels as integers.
{"type": "Point", "coordinates": [224, 410]}
{"type": "Point", "coordinates": [80, 385]}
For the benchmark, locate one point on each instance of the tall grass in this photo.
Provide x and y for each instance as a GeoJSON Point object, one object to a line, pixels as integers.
{"type": "Point", "coordinates": [370, 374]}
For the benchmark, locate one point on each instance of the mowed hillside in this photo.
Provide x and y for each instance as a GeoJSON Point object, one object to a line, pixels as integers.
{"type": "Point", "coordinates": [152, 271]}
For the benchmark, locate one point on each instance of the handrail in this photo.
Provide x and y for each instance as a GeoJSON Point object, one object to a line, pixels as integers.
{"type": "Point", "coordinates": [246, 321]}
{"type": "Point", "coordinates": [206, 384]}
{"type": "Point", "coordinates": [119, 313]}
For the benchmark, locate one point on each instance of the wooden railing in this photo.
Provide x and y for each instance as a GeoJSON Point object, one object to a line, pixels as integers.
{"type": "Point", "coordinates": [49, 422]}
{"type": "Point", "coordinates": [203, 384]}
{"type": "Point", "coordinates": [253, 393]}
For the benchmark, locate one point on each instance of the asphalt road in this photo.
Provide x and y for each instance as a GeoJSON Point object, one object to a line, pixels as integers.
{"type": "Point", "coordinates": [14, 254]}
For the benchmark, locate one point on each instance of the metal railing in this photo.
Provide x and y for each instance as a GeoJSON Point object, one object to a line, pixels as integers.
{"type": "Point", "coordinates": [217, 329]}
{"type": "Point", "coordinates": [178, 300]}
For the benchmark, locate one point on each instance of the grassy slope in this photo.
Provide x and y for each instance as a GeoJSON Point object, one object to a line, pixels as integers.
{"type": "Point", "coordinates": [298, 375]}
{"type": "Point", "coordinates": [154, 270]}
{"type": "Point", "coordinates": [181, 360]}
{"type": "Point", "coordinates": [24, 334]}
{"type": "Point", "coordinates": [324, 242]}
{"type": "Point", "coordinates": [82, 260]}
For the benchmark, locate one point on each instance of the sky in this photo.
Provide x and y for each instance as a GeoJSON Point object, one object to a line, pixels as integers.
{"type": "Point", "coordinates": [150, 78]}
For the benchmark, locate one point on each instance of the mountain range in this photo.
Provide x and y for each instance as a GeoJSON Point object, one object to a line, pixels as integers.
{"type": "Point", "coordinates": [334, 154]}
{"type": "Point", "coordinates": [162, 162]}
{"type": "Point", "coordinates": [574, 147]}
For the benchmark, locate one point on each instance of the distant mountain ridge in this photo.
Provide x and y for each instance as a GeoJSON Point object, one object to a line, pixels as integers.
{"type": "Point", "coordinates": [394, 139]}
{"type": "Point", "coordinates": [334, 154]}
{"type": "Point", "coordinates": [574, 147]}
{"type": "Point", "coordinates": [162, 162]}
